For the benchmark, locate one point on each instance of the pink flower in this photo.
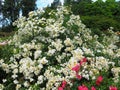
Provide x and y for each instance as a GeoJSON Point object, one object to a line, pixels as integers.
{"type": "Point", "coordinates": [112, 88]}
{"type": "Point", "coordinates": [93, 88]}
{"type": "Point", "coordinates": [76, 68]}
{"type": "Point", "coordinates": [63, 84]}
{"type": "Point", "coordinates": [60, 88]}
{"type": "Point", "coordinates": [99, 80]}
{"type": "Point", "coordinates": [78, 76]}
{"type": "Point", "coordinates": [83, 61]}
{"type": "Point", "coordinates": [82, 87]}
{"type": "Point", "coordinates": [3, 43]}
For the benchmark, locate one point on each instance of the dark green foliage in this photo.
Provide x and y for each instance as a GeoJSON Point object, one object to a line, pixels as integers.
{"type": "Point", "coordinates": [100, 22]}
{"type": "Point", "coordinates": [55, 4]}
{"type": "Point", "coordinates": [67, 2]}
{"type": "Point", "coordinates": [2, 76]}
{"type": "Point", "coordinates": [97, 15]}
{"type": "Point", "coordinates": [7, 28]}
{"type": "Point", "coordinates": [27, 6]}
{"type": "Point", "coordinates": [6, 52]}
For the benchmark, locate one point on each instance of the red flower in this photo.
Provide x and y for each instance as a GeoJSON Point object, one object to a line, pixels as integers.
{"type": "Point", "coordinates": [112, 88]}
{"type": "Point", "coordinates": [60, 88]}
{"type": "Point", "coordinates": [63, 84]}
{"type": "Point", "coordinates": [76, 68]}
{"type": "Point", "coordinates": [83, 61]}
{"type": "Point", "coordinates": [99, 80]}
{"type": "Point", "coordinates": [82, 87]}
{"type": "Point", "coordinates": [93, 88]}
{"type": "Point", "coordinates": [78, 76]}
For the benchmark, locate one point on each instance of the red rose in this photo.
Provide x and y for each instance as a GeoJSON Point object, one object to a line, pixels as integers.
{"type": "Point", "coordinates": [99, 80]}
{"type": "Point", "coordinates": [64, 84]}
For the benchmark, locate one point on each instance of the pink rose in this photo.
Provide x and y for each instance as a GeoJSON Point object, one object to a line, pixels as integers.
{"type": "Point", "coordinates": [78, 76]}
{"type": "Point", "coordinates": [83, 61]}
{"type": "Point", "coordinates": [112, 88]}
{"type": "Point", "coordinates": [60, 88]}
{"type": "Point", "coordinates": [76, 68]}
{"type": "Point", "coordinates": [82, 87]}
{"type": "Point", "coordinates": [93, 88]}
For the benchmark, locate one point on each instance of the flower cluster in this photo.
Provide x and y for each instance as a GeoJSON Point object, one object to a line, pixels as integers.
{"type": "Point", "coordinates": [54, 53]}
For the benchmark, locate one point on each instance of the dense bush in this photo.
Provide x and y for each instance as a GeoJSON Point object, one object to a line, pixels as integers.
{"type": "Point", "coordinates": [60, 53]}
{"type": "Point", "coordinates": [100, 22]}
{"type": "Point", "coordinates": [106, 13]}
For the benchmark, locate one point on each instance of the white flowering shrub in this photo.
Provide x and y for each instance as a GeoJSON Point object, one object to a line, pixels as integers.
{"type": "Point", "coordinates": [58, 52]}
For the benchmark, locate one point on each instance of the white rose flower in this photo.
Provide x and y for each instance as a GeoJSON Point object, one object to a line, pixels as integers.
{"type": "Point", "coordinates": [26, 84]}
{"type": "Point", "coordinates": [43, 60]}
{"type": "Point", "coordinates": [18, 86]}
{"type": "Point", "coordinates": [15, 82]}
{"type": "Point", "coordinates": [37, 54]}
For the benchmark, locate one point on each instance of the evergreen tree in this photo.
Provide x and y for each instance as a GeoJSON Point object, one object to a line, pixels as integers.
{"type": "Point", "coordinates": [72, 2]}
{"type": "Point", "coordinates": [0, 10]}
{"type": "Point", "coordinates": [55, 4]}
{"type": "Point", "coordinates": [27, 6]}
{"type": "Point", "coordinates": [0, 6]}
{"type": "Point", "coordinates": [67, 2]}
{"type": "Point", "coordinates": [88, 1]}
{"type": "Point", "coordinates": [10, 10]}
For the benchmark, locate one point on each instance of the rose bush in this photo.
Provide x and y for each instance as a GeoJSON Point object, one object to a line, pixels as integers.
{"type": "Point", "coordinates": [58, 52]}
